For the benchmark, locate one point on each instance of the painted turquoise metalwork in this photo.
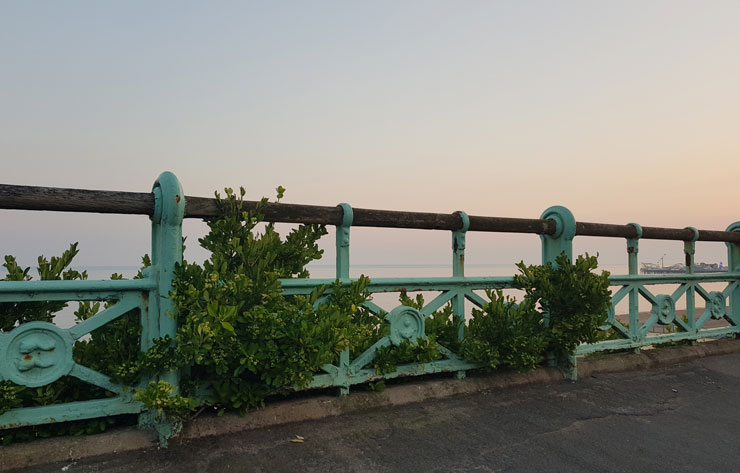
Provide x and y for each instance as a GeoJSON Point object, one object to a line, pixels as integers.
{"type": "Point", "coordinates": [458, 246]}
{"type": "Point", "coordinates": [342, 241]}
{"type": "Point", "coordinates": [38, 353]}
{"type": "Point", "coordinates": [35, 354]}
{"type": "Point", "coordinates": [342, 273]}
{"type": "Point", "coordinates": [663, 310]}
{"type": "Point", "coordinates": [69, 412]}
{"type": "Point", "coordinates": [562, 240]}
{"type": "Point", "coordinates": [458, 271]}
{"type": "Point", "coordinates": [689, 249]}
{"type": "Point", "coordinates": [553, 246]}
{"type": "Point", "coordinates": [733, 261]}
{"type": "Point", "coordinates": [169, 211]}
{"type": "Point", "coordinates": [27, 291]}
{"type": "Point", "coordinates": [633, 248]}
{"type": "Point", "coordinates": [406, 324]}
{"type": "Point", "coordinates": [733, 250]}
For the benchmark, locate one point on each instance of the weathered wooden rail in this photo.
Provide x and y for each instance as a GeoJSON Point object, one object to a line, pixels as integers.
{"type": "Point", "coordinates": [141, 203]}
{"type": "Point", "coordinates": [38, 353]}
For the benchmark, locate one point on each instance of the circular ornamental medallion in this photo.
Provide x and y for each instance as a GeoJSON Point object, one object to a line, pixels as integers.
{"type": "Point", "coordinates": [665, 309]}
{"type": "Point", "coordinates": [38, 353]}
{"type": "Point", "coordinates": [716, 304]}
{"type": "Point", "coordinates": [407, 323]}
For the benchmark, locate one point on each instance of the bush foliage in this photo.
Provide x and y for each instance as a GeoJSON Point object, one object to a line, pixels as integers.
{"type": "Point", "coordinates": [574, 298]}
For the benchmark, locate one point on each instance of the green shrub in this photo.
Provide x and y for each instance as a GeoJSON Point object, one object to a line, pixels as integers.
{"type": "Point", "coordinates": [504, 334]}
{"type": "Point", "coordinates": [13, 314]}
{"type": "Point", "coordinates": [440, 326]}
{"type": "Point", "coordinates": [574, 298]}
{"type": "Point", "coordinates": [160, 397]}
{"type": "Point", "coordinates": [241, 339]}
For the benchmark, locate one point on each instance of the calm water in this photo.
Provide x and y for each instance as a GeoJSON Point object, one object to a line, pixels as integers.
{"type": "Point", "coordinates": [389, 301]}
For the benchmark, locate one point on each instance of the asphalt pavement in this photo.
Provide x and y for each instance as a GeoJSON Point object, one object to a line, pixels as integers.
{"type": "Point", "coordinates": [685, 418]}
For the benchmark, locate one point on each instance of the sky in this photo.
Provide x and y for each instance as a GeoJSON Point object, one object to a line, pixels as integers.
{"type": "Point", "coordinates": [621, 111]}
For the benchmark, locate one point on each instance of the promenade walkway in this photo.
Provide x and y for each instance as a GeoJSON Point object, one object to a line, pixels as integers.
{"type": "Point", "coordinates": [684, 418]}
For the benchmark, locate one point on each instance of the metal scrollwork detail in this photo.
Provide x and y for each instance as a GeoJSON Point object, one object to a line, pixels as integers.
{"type": "Point", "coordinates": [716, 304]}
{"type": "Point", "coordinates": [610, 319]}
{"type": "Point", "coordinates": [38, 353]}
{"type": "Point", "coordinates": [406, 323]}
{"type": "Point", "coordinates": [664, 309]}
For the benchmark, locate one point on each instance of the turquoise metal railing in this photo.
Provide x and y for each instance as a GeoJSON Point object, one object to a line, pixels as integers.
{"type": "Point", "coordinates": [633, 286]}
{"type": "Point", "coordinates": [38, 353]}
{"type": "Point", "coordinates": [458, 289]}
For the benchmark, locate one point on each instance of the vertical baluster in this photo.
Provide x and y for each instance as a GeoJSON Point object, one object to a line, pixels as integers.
{"type": "Point", "coordinates": [553, 246]}
{"type": "Point", "coordinates": [342, 273]}
{"type": "Point", "coordinates": [633, 248]}
{"type": "Point", "coordinates": [733, 262]}
{"type": "Point", "coordinates": [342, 242]}
{"type": "Point", "coordinates": [458, 271]}
{"type": "Point", "coordinates": [689, 249]}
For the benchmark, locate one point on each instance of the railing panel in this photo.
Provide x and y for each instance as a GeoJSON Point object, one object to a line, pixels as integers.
{"type": "Point", "coordinates": [717, 304]}
{"type": "Point", "coordinates": [38, 353]}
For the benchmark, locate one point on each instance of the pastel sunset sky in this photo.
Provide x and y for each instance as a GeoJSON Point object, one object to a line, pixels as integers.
{"type": "Point", "coordinates": [624, 111]}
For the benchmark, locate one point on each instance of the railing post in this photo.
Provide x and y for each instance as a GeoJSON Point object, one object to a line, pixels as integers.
{"type": "Point", "coordinates": [342, 242]}
{"type": "Point", "coordinates": [458, 271]}
{"type": "Point", "coordinates": [633, 248]}
{"type": "Point", "coordinates": [342, 273]}
{"type": "Point", "coordinates": [733, 261]}
{"type": "Point", "coordinates": [553, 246]}
{"type": "Point", "coordinates": [161, 320]}
{"type": "Point", "coordinates": [689, 249]}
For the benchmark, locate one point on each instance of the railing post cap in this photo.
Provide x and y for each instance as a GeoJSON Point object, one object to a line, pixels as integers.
{"type": "Point", "coordinates": [465, 221]}
{"type": "Point", "coordinates": [565, 222]}
{"type": "Point", "coordinates": [734, 227]}
{"type": "Point", "coordinates": [169, 200]}
{"type": "Point", "coordinates": [347, 215]}
{"type": "Point", "coordinates": [696, 233]}
{"type": "Point", "coordinates": [638, 229]}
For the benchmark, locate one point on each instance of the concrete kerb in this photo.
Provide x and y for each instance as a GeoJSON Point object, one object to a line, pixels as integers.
{"type": "Point", "coordinates": [296, 410]}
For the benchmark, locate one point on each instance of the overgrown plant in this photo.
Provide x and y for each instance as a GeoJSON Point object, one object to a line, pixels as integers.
{"type": "Point", "coordinates": [160, 397]}
{"type": "Point", "coordinates": [574, 298]}
{"type": "Point", "coordinates": [505, 335]}
{"type": "Point", "coordinates": [440, 326]}
{"type": "Point", "coordinates": [57, 268]}
{"type": "Point", "coordinates": [240, 338]}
